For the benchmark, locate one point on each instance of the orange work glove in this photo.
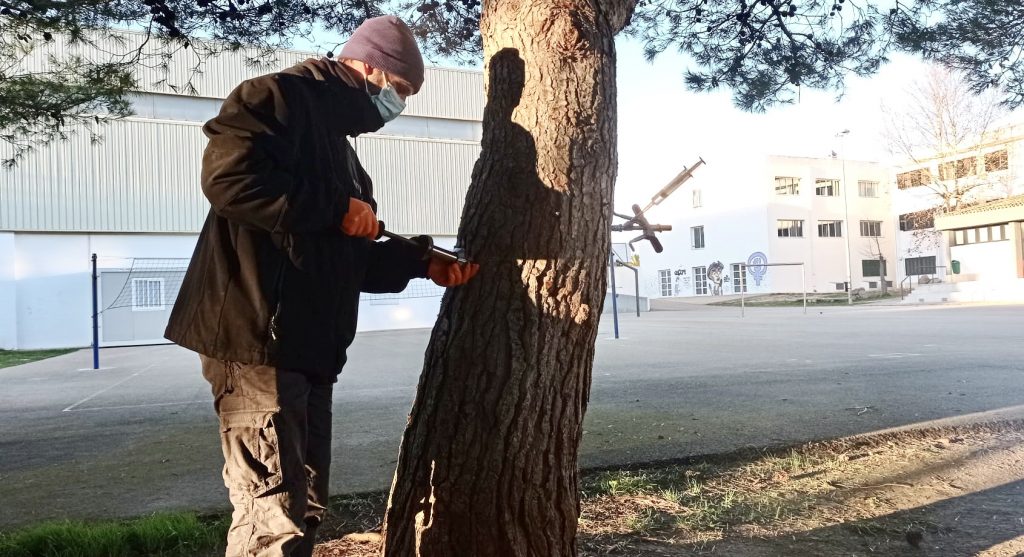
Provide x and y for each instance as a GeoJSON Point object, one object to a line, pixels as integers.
{"type": "Point", "coordinates": [359, 221]}
{"type": "Point", "coordinates": [448, 274]}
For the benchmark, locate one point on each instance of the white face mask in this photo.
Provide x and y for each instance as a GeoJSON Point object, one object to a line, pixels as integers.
{"type": "Point", "coordinates": [388, 102]}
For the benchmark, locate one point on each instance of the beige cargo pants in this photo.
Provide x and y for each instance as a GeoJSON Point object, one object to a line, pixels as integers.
{"type": "Point", "coordinates": [276, 437]}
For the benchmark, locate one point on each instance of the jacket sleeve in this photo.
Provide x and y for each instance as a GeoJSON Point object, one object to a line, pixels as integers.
{"type": "Point", "coordinates": [390, 267]}
{"type": "Point", "coordinates": [250, 164]}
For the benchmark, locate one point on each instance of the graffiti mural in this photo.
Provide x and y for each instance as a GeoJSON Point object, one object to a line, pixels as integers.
{"type": "Point", "coordinates": [757, 265]}
{"type": "Point", "coordinates": [715, 277]}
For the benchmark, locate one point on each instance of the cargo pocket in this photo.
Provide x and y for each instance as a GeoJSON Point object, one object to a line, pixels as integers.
{"type": "Point", "coordinates": [252, 452]}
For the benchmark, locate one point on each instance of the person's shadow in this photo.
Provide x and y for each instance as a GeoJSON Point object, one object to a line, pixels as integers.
{"type": "Point", "coordinates": [510, 212]}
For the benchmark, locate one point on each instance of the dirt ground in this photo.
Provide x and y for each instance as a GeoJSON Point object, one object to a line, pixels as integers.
{"type": "Point", "coordinates": [936, 492]}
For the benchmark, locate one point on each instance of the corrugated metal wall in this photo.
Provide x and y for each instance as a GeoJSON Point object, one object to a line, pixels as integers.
{"type": "Point", "coordinates": [447, 93]}
{"type": "Point", "coordinates": [419, 185]}
{"type": "Point", "coordinates": [144, 177]}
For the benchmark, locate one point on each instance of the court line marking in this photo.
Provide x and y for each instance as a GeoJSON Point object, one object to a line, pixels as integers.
{"type": "Point", "coordinates": [127, 406]}
{"type": "Point", "coordinates": [101, 391]}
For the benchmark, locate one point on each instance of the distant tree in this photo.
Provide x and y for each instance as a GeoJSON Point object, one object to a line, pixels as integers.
{"type": "Point", "coordinates": [981, 40]}
{"type": "Point", "coordinates": [65, 91]}
{"type": "Point", "coordinates": [942, 130]}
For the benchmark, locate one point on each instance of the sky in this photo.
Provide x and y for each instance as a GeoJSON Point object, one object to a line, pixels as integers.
{"type": "Point", "coordinates": [663, 126]}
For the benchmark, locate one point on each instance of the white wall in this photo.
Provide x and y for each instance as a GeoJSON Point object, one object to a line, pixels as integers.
{"type": "Point", "coordinates": [53, 280]}
{"type": "Point", "coordinates": [46, 291]}
{"type": "Point", "coordinates": [825, 258]}
{"type": "Point", "coordinates": [987, 261]}
{"type": "Point", "coordinates": [377, 314]}
{"type": "Point", "coordinates": [732, 213]}
{"type": "Point", "coordinates": [8, 293]}
{"type": "Point", "coordinates": [54, 301]}
{"type": "Point", "coordinates": [740, 212]}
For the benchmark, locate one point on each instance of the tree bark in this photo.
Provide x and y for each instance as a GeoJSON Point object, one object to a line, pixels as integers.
{"type": "Point", "coordinates": [488, 461]}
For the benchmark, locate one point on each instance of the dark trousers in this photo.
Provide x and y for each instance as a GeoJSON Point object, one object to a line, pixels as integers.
{"type": "Point", "coordinates": [276, 436]}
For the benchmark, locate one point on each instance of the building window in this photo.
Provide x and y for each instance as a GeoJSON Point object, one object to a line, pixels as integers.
{"type": "Point", "coordinates": [826, 187]}
{"type": "Point", "coordinates": [739, 277]}
{"type": "Point", "coordinates": [920, 265]}
{"type": "Point", "coordinates": [913, 178]}
{"type": "Point", "coordinates": [871, 267]}
{"type": "Point", "coordinates": [996, 160]}
{"type": "Point", "coordinates": [871, 228]}
{"type": "Point", "coordinates": [965, 236]}
{"type": "Point", "coordinates": [696, 199]}
{"type": "Point", "coordinates": [787, 185]}
{"type": "Point", "coordinates": [918, 220]}
{"type": "Point", "coordinates": [791, 228]}
{"type": "Point", "coordinates": [148, 294]}
{"type": "Point", "coordinates": [867, 188]}
{"type": "Point", "coordinates": [830, 229]}
{"type": "Point", "coordinates": [961, 168]}
{"type": "Point", "coordinates": [665, 281]}
{"type": "Point", "coordinates": [697, 237]}
{"type": "Point", "coordinates": [700, 281]}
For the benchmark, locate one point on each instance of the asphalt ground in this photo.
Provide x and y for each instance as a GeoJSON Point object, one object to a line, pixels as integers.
{"type": "Point", "coordinates": [139, 435]}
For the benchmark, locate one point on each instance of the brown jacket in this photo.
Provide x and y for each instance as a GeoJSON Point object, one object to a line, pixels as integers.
{"type": "Point", "coordinates": [273, 281]}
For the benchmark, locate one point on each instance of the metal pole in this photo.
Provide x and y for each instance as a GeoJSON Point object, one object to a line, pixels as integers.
{"type": "Point", "coordinates": [743, 291]}
{"type": "Point", "coordinates": [803, 284]}
{"type": "Point", "coordinates": [615, 302]}
{"type": "Point", "coordinates": [95, 318]}
{"type": "Point", "coordinates": [636, 284]}
{"type": "Point", "coordinates": [849, 227]}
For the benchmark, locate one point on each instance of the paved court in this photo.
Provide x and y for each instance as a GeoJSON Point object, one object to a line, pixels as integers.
{"type": "Point", "coordinates": [139, 435]}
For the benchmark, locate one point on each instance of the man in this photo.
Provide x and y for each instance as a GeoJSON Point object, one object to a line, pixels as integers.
{"type": "Point", "coordinates": [271, 295]}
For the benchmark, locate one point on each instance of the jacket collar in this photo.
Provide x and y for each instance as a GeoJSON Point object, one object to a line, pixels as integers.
{"type": "Point", "coordinates": [349, 108]}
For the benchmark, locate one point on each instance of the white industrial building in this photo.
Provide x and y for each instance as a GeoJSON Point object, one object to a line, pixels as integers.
{"type": "Point", "coordinates": [733, 217]}
{"type": "Point", "coordinates": [135, 200]}
{"type": "Point", "coordinates": [973, 251]}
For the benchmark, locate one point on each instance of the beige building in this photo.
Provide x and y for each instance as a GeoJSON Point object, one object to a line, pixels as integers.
{"type": "Point", "coordinates": [960, 221]}
{"type": "Point", "coordinates": [985, 245]}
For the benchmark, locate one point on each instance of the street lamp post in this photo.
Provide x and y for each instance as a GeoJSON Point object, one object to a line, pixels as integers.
{"type": "Point", "coordinates": [849, 228]}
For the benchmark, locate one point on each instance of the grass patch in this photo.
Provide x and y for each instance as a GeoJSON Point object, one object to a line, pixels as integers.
{"type": "Point", "coordinates": [10, 358]}
{"type": "Point", "coordinates": [813, 300]}
{"type": "Point", "coordinates": [619, 483]}
{"type": "Point", "coordinates": [161, 535]}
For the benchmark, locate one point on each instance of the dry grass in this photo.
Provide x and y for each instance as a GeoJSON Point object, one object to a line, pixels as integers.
{"type": "Point", "coordinates": [880, 494]}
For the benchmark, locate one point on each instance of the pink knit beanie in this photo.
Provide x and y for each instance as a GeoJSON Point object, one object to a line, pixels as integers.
{"type": "Point", "coordinates": [386, 43]}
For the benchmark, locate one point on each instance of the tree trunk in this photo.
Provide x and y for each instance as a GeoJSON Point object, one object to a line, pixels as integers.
{"type": "Point", "coordinates": [882, 271]}
{"type": "Point", "coordinates": [488, 461]}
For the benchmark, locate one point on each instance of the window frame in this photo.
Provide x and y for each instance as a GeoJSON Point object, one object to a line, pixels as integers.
{"type": "Point", "coordinates": [662, 275]}
{"type": "Point", "coordinates": [1000, 157]}
{"type": "Point", "coordinates": [826, 184]}
{"type": "Point", "coordinates": [836, 225]}
{"type": "Point", "coordinates": [921, 264]}
{"type": "Point", "coordinates": [869, 224]}
{"type": "Point", "coordinates": [793, 223]}
{"type": "Point", "coordinates": [700, 281]}
{"type": "Point", "coordinates": [147, 295]}
{"type": "Point", "coordinates": [865, 272]}
{"type": "Point", "coordinates": [693, 237]}
{"type": "Point", "coordinates": [787, 185]}
{"type": "Point", "coordinates": [739, 277]}
{"type": "Point", "coordinates": [874, 187]}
